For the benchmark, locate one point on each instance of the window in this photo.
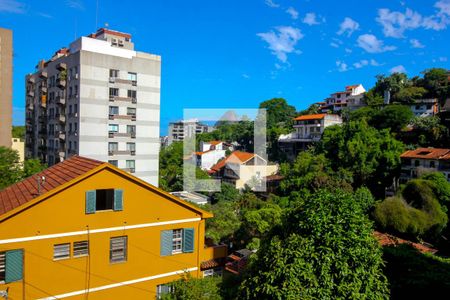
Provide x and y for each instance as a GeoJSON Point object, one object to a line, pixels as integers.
{"type": "Point", "coordinates": [177, 241]}
{"type": "Point", "coordinates": [70, 127]}
{"type": "Point", "coordinates": [131, 147]}
{"type": "Point", "coordinates": [113, 110]}
{"type": "Point", "coordinates": [61, 251]}
{"type": "Point", "coordinates": [163, 289]}
{"type": "Point", "coordinates": [113, 128]}
{"type": "Point", "coordinates": [113, 73]}
{"type": "Point", "coordinates": [75, 108]}
{"type": "Point", "coordinates": [113, 92]}
{"type": "Point", "coordinates": [80, 248]}
{"type": "Point", "coordinates": [75, 90]}
{"type": "Point", "coordinates": [131, 111]}
{"type": "Point", "coordinates": [70, 92]}
{"type": "Point", "coordinates": [130, 164]}
{"type": "Point", "coordinates": [70, 109]}
{"type": "Point", "coordinates": [131, 128]}
{"type": "Point", "coordinates": [113, 146]}
{"type": "Point", "coordinates": [432, 164]}
{"type": "Point", "coordinates": [11, 266]}
{"type": "Point", "coordinates": [113, 162]}
{"type": "Point", "coordinates": [132, 76]}
{"type": "Point", "coordinates": [104, 199]}
{"type": "Point", "coordinates": [417, 163]}
{"type": "Point", "coordinates": [118, 249]}
{"type": "Point", "coordinates": [131, 94]}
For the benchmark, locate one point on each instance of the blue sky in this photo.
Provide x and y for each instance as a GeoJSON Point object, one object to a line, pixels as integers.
{"type": "Point", "coordinates": [235, 54]}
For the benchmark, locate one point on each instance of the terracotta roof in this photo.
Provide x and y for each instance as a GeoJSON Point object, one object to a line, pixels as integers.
{"type": "Point", "coordinates": [212, 263]}
{"type": "Point", "coordinates": [26, 190]}
{"type": "Point", "coordinates": [349, 87]}
{"type": "Point", "coordinates": [389, 240]}
{"type": "Point", "coordinates": [310, 117]}
{"type": "Point", "coordinates": [426, 153]}
{"type": "Point", "coordinates": [242, 156]}
{"type": "Point", "coordinates": [214, 143]}
{"type": "Point", "coordinates": [274, 177]}
{"type": "Point", "coordinates": [112, 32]}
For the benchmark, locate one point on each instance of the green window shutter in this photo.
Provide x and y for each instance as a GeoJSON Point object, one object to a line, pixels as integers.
{"type": "Point", "coordinates": [166, 242]}
{"type": "Point", "coordinates": [188, 240]}
{"type": "Point", "coordinates": [118, 199]}
{"type": "Point", "coordinates": [14, 265]}
{"type": "Point", "coordinates": [90, 201]}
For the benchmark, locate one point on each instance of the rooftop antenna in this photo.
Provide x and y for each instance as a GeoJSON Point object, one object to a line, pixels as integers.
{"type": "Point", "coordinates": [40, 183]}
{"type": "Point", "coordinates": [96, 17]}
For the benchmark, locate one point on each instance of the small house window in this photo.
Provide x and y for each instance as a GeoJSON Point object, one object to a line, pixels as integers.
{"type": "Point", "coordinates": [61, 251]}
{"type": "Point", "coordinates": [104, 199]}
{"type": "Point", "coordinates": [163, 289]}
{"type": "Point", "coordinates": [113, 127]}
{"type": "Point", "coordinates": [118, 249]}
{"type": "Point", "coordinates": [11, 266]}
{"type": "Point", "coordinates": [80, 248]}
{"type": "Point", "coordinates": [417, 163]}
{"type": "Point", "coordinates": [177, 241]}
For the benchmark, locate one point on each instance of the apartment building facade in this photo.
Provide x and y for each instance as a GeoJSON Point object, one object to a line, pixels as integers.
{"type": "Point", "coordinates": [422, 160]}
{"type": "Point", "coordinates": [308, 129]}
{"type": "Point", "coordinates": [98, 98]}
{"type": "Point", "coordinates": [95, 231]}
{"type": "Point", "coordinates": [186, 128]}
{"type": "Point", "coordinates": [6, 55]}
{"type": "Point", "coordinates": [351, 98]}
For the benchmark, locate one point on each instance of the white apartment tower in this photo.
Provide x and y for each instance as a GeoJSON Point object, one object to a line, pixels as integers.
{"type": "Point", "coordinates": [98, 98]}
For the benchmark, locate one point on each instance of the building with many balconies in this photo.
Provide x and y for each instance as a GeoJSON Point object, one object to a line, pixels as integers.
{"type": "Point", "coordinates": [98, 98]}
{"type": "Point", "coordinates": [308, 129]}
{"type": "Point", "coordinates": [351, 98]}
{"type": "Point", "coordinates": [186, 128]}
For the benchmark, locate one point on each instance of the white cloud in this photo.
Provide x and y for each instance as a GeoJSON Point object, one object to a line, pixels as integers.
{"type": "Point", "coordinates": [246, 76]}
{"type": "Point", "coordinates": [76, 4]}
{"type": "Point", "coordinates": [293, 12]}
{"type": "Point", "coordinates": [395, 23]}
{"type": "Point", "coordinates": [271, 3]}
{"type": "Point", "coordinates": [372, 44]}
{"type": "Point", "coordinates": [348, 26]}
{"type": "Point", "coordinates": [398, 69]}
{"type": "Point", "coordinates": [416, 43]}
{"type": "Point", "coordinates": [12, 6]}
{"type": "Point", "coordinates": [364, 62]}
{"type": "Point", "coordinates": [333, 44]}
{"type": "Point", "coordinates": [282, 41]}
{"type": "Point", "coordinates": [310, 19]}
{"type": "Point", "coordinates": [348, 50]}
{"type": "Point", "coordinates": [342, 66]}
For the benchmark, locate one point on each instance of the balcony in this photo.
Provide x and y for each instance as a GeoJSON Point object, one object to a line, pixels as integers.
{"type": "Point", "coordinates": [61, 118]}
{"type": "Point", "coordinates": [61, 66]}
{"type": "Point", "coordinates": [295, 137]}
{"type": "Point", "coordinates": [123, 81]}
{"type": "Point", "coordinates": [122, 117]}
{"type": "Point", "coordinates": [43, 75]}
{"type": "Point", "coordinates": [62, 136]}
{"type": "Point", "coordinates": [60, 100]}
{"type": "Point", "coordinates": [31, 80]}
{"type": "Point", "coordinates": [124, 99]}
{"type": "Point", "coordinates": [43, 89]}
{"type": "Point", "coordinates": [121, 152]}
{"type": "Point", "coordinates": [30, 106]}
{"type": "Point", "coordinates": [30, 93]}
{"type": "Point", "coordinates": [112, 134]}
{"type": "Point", "coordinates": [61, 83]}
{"type": "Point", "coordinates": [130, 170]}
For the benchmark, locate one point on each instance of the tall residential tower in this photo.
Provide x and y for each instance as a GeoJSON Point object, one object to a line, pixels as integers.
{"type": "Point", "coordinates": [5, 87]}
{"type": "Point", "coordinates": [98, 98]}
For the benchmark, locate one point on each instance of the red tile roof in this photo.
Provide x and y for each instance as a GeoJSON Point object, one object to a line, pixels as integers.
{"type": "Point", "coordinates": [26, 190]}
{"type": "Point", "coordinates": [389, 240]}
{"type": "Point", "coordinates": [350, 87]}
{"type": "Point", "coordinates": [242, 156]}
{"type": "Point", "coordinates": [310, 117]}
{"type": "Point", "coordinates": [427, 153]}
{"type": "Point", "coordinates": [212, 263]}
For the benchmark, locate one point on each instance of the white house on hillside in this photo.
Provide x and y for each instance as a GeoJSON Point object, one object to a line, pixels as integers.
{"type": "Point", "coordinates": [210, 153]}
{"type": "Point", "coordinates": [352, 98]}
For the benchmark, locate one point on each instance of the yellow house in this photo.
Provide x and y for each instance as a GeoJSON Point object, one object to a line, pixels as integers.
{"type": "Point", "coordinates": [86, 229]}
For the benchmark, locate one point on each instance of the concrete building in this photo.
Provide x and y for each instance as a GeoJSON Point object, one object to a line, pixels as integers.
{"type": "Point", "coordinates": [425, 107]}
{"type": "Point", "coordinates": [94, 231]}
{"type": "Point", "coordinates": [192, 197]}
{"type": "Point", "coordinates": [18, 145]}
{"type": "Point", "coordinates": [351, 98]}
{"type": "Point", "coordinates": [308, 129]}
{"type": "Point", "coordinates": [422, 160]}
{"type": "Point", "coordinates": [6, 52]}
{"type": "Point", "coordinates": [242, 169]}
{"type": "Point", "coordinates": [186, 128]}
{"type": "Point", "coordinates": [98, 98]}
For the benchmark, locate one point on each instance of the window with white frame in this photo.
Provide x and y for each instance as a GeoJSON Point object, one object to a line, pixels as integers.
{"type": "Point", "coordinates": [61, 251]}
{"type": "Point", "coordinates": [80, 248]}
{"type": "Point", "coordinates": [113, 127]}
{"type": "Point", "coordinates": [118, 249]}
{"type": "Point", "coordinates": [132, 76]}
{"type": "Point", "coordinates": [163, 289]}
{"type": "Point", "coordinates": [177, 241]}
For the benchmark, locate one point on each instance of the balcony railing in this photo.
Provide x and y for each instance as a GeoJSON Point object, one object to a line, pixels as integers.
{"type": "Point", "coordinates": [60, 100]}
{"type": "Point", "coordinates": [112, 134]}
{"type": "Point", "coordinates": [122, 117]}
{"type": "Point", "coordinates": [125, 99]}
{"type": "Point", "coordinates": [121, 152]}
{"type": "Point", "coordinates": [131, 170]}
{"type": "Point", "coordinates": [61, 82]}
{"type": "Point", "coordinates": [124, 81]}
{"type": "Point", "coordinates": [61, 66]}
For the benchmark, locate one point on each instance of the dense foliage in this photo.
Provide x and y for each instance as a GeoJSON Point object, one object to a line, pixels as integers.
{"type": "Point", "coordinates": [324, 249]}
{"type": "Point", "coordinates": [189, 288]}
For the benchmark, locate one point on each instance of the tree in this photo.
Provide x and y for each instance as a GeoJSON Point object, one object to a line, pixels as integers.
{"type": "Point", "coordinates": [393, 83]}
{"type": "Point", "coordinates": [372, 156]}
{"type": "Point", "coordinates": [171, 167]}
{"type": "Point", "coordinates": [409, 95]}
{"type": "Point", "coordinates": [437, 84]}
{"type": "Point", "coordinates": [372, 98]}
{"type": "Point", "coordinates": [278, 112]}
{"type": "Point", "coordinates": [324, 249]}
{"type": "Point", "coordinates": [189, 288]}
{"type": "Point", "coordinates": [18, 132]}
{"type": "Point", "coordinates": [428, 131]}
{"type": "Point", "coordinates": [32, 166]}
{"type": "Point", "coordinates": [225, 223]}
{"type": "Point", "coordinates": [392, 117]}
{"type": "Point", "coordinates": [10, 167]}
